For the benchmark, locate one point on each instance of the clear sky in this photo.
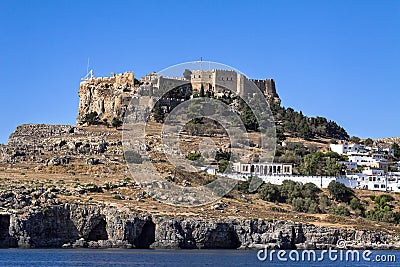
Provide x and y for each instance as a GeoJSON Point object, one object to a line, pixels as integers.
{"type": "Point", "coordinates": [339, 59]}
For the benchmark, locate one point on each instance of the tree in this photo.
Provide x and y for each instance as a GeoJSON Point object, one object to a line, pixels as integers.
{"type": "Point", "coordinates": [249, 119]}
{"type": "Point", "coordinates": [340, 192]}
{"type": "Point", "coordinates": [355, 204]}
{"type": "Point", "coordinates": [116, 122]}
{"type": "Point", "coordinates": [187, 74]}
{"type": "Point", "coordinates": [202, 94]}
{"type": "Point", "coordinates": [310, 190]}
{"type": "Point", "coordinates": [396, 150]}
{"type": "Point", "coordinates": [158, 113]}
{"type": "Point", "coordinates": [290, 190]}
{"type": "Point", "coordinates": [304, 130]}
{"type": "Point", "coordinates": [269, 192]}
{"type": "Point", "coordinates": [310, 163]}
{"type": "Point", "coordinates": [92, 118]}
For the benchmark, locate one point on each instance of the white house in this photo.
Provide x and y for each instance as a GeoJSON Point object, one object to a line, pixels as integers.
{"type": "Point", "coordinates": [347, 148]}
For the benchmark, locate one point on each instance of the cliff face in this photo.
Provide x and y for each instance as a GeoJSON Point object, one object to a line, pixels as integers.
{"type": "Point", "coordinates": [108, 96]}
{"type": "Point", "coordinates": [73, 225]}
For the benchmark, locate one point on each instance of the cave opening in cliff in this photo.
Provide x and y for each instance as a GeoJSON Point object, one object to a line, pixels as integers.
{"type": "Point", "coordinates": [147, 236]}
{"type": "Point", "coordinates": [4, 226]}
{"type": "Point", "coordinates": [222, 238]}
{"type": "Point", "coordinates": [99, 232]}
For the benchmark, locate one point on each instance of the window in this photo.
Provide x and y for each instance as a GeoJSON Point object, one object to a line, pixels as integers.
{"type": "Point", "coordinates": [383, 186]}
{"type": "Point", "coordinates": [376, 186]}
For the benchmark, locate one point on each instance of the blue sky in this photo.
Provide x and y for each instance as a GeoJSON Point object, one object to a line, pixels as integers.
{"type": "Point", "coordinates": [339, 59]}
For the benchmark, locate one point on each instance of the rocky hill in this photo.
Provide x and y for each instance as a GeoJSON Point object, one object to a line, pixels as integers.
{"type": "Point", "coordinates": [69, 186]}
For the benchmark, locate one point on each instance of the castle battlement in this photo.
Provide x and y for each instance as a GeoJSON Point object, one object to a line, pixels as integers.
{"type": "Point", "coordinates": [120, 78]}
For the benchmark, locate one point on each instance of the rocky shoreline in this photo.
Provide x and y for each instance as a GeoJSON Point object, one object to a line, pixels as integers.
{"type": "Point", "coordinates": [95, 226]}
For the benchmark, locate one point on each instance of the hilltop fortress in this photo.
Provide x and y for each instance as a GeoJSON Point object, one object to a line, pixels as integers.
{"type": "Point", "coordinates": [110, 96]}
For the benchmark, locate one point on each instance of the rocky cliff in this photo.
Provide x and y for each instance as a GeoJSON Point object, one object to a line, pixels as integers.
{"type": "Point", "coordinates": [96, 226]}
{"type": "Point", "coordinates": [108, 96]}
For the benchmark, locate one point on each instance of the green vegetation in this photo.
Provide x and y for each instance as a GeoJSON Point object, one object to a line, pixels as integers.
{"type": "Point", "coordinates": [302, 197]}
{"type": "Point", "coordinates": [118, 197]}
{"type": "Point", "coordinates": [158, 113]}
{"type": "Point", "coordinates": [202, 94]}
{"type": "Point", "coordinates": [187, 74]}
{"type": "Point", "coordinates": [298, 125]}
{"type": "Point", "coordinates": [340, 192]}
{"type": "Point", "coordinates": [319, 163]}
{"type": "Point", "coordinates": [396, 150]}
{"type": "Point", "coordinates": [222, 166]}
{"type": "Point", "coordinates": [116, 122]}
{"type": "Point", "coordinates": [382, 211]}
{"type": "Point", "coordinates": [340, 210]}
{"type": "Point", "coordinates": [222, 155]}
{"type": "Point", "coordinates": [193, 156]}
{"type": "Point", "coordinates": [308, 198]}
{"type": "Point", "coordinates": [133, 157]}
{"type": "Point", "coordinates": [92, 118]}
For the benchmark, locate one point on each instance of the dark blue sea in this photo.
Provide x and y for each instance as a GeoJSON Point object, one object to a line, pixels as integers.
{"type": "Point", "coordinates": [136, 257]}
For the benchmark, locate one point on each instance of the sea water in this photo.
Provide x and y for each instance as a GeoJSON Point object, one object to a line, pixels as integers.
{"type": "Point", "coordinates": [138, 257]}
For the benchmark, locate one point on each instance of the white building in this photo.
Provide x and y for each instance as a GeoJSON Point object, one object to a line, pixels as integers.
{"type": "Point", "coordinates": [349, 165]}
{"type": "Point", "coordinates": [209, 170]}
{"type": "Point", "coordinates": [263, 168]}
{"type": "Point", "coordinates": [376, 180]}
{"type": "Point", "coordinates": [276, 173]}
{"type": "Point", "coordinates": [347, 148]}
{"type": "Point", "coordinates": [377, 161]}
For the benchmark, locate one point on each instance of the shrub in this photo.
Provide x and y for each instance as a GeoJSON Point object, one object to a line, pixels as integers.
{"type": "Point", "coordinates": [118, 197]}
{"type": "Point", "coordinates": [355, 204]}
{"type": "Point", "coordinates": [92, 118]}
{"type": "Point", "coordinates": [305, 205]}
{"type": "Point", "coordinates": [222, 166]}
{"type": "Point", "coordinates": [324, 202]}
{"type": "Point", "coordinates": [310, 190]}
{"type": "Point", "coordinates": [340, 192]}
{"type": "Point", "coordinates": [193, 156]}
{"type": "Point", "coordinates": [222, 155]}
{"type": "Point", "coordinates": [290, 190]}
{"type": "Point", "coordinates": [269, 192]}
{"type": "Point", "coordinates": [133, 157]}
{"type": "Point", "coordinates": [116, 122]}
{"type": "Point", "coordinates": [382, 211]}
{"type": "Point", "coordinates": [298, 204]}
{"type": "Point", "coordinates": [340, 210]}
